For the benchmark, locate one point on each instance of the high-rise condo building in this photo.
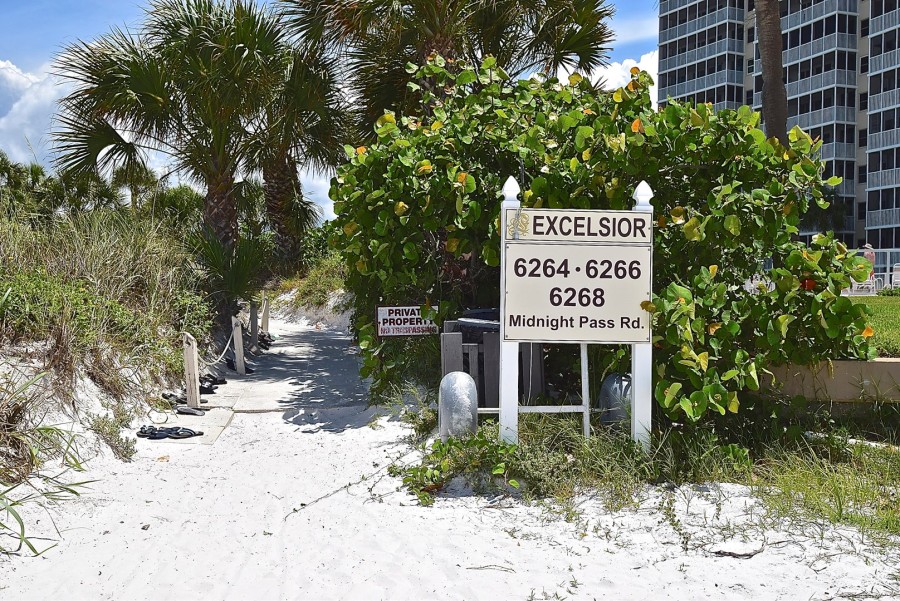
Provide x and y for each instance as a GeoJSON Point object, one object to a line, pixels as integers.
{"type": "Point", "coordinates": [842, 72]}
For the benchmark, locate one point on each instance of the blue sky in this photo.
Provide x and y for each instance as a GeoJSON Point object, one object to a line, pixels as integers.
{"type": "Point", "coordinates": [33, 31]}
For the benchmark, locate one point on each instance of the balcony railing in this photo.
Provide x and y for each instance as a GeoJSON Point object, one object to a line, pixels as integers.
{"type": "Point", "coordinates": [884, 100]}
{"type": "Point", "coordinates": [700, 54]}
{"type": "Point", "coordinates": [888, 178]}
{"type": "Point", "coordinates": [885, 218]}
{"type": "Point", "coordinates": [817, 11]}
{"type": "Point", "coordinates": [700, 23]}
{"type": "Point", "coordinates": [832, 114]}
{"type": "Point", "coordinates": [693, 86]}
{"type": "Point", "coordinates": [839, 77]}
{"type": "Point", "coordinates": [839, 150]}
{"type": "Point", "coordinates": [884, 139]}
{"type": "Point", "coordinates": [834, 41]}
{"type": "Point", "coordinates": [882, 62]}
{"type": "Point", "coordinates": [884, 22]}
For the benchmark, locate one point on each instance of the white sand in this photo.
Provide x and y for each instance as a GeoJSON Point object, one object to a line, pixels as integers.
{"type": "Point", "coordinates": [228, 521]}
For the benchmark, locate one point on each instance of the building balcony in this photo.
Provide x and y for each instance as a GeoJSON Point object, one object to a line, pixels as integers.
{"type": "Point", "coordinates": [700, 23]}
{"type": "Point", "coordinates": [828, 43]}
{"type": "Point", "coordinates": [885, 218]}
{"type": "Point", "coordinates": [884, 139]}
{"type": "Point", "coordinates": [883, 62]}
{"type": "Point", "coordinates": [693, 86]}
{"type": "Point", "coordinates": [885, 100]}
{"type": "Point", "coordinates": [836, 77]}
{"type": "Point", "coordinates": [832, 114]}
{"type": "Point", "coordinates": [839, 150]}
{"type": "Point", "coordinates": [884, 22]}
{"type": "Point", "coordinates": [889, 178]}
{"type": "Point", "coordinates": [700, 54]}
{"type": "Point", "coordinates": [668, 6]}
{"type": "Point", "coordinates": [817, 11]}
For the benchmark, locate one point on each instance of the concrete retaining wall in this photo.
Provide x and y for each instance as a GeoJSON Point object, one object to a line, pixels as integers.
{"type": "Point", "coordinates": [844, 382]}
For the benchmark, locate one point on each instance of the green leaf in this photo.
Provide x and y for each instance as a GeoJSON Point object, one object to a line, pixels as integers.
{"type": "Point", "coordinates": [783, 322]}
{"type": "Point", "coordinates": [466, 77]}
{"type": "Point", "coordinates": [489, 62]}
{"type": "Point", "coordinates": [581, 136]}
{"type": "Point", "coordinates": [692, 230]}
{"type": "Point", "coordinates": [733, 225]}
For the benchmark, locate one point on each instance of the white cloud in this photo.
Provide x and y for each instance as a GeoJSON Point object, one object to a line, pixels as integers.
{"type": "Point", "coordinates": [628, 31]}
{"type": "Point", "coordinates": [315, 186]}
{"type": "Point", "coordinates": [27, 106]}
{"type": "Point", "coordinates": [616, 75]}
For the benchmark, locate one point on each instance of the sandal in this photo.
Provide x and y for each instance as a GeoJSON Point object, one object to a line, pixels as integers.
{"type": "Point", "coordinates": [185, 410]}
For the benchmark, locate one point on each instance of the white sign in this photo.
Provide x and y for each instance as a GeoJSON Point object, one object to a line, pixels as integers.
{"type": "Point", "coordinates": [404, 321]}
{"type": "Point", "coordinates": [576, 276]}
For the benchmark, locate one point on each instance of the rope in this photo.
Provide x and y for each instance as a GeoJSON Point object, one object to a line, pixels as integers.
{"type": "Point", "coordinates": [225, 350]}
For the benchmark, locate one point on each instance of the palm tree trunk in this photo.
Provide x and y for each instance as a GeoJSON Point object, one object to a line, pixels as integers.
{"type": "Point", "coordinates": [281, 185]}
{"type": "Point", "coordinates": [774, 95]}
{"type": "Point", "coordinates": [220, 211]}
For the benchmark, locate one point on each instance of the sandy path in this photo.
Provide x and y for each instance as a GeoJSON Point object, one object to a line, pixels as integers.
{"type": "Point", "coordinates": [216, 525]}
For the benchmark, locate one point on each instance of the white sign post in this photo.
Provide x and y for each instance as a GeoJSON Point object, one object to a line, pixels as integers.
{"type": "Point", "coordinates": [575, 276]}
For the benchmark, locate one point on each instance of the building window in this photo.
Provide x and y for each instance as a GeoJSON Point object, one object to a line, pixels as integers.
{"type": "Point", "coordinates": [749, 65]}
{"type": "Point", "coordinates": [864, 64]}
{"type": "Point", "coordinates": [861, 174]}
{"type": "Point", "coordinates": [751, 34]}
{"type": "Point", "coordinates": [864, 27]}
{"type": "Point", "coordinates": [863, 101]}
{"type": "Point", "coordinates": [863, 138]}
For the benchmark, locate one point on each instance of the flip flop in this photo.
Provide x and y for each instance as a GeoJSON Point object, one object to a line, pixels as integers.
{"type": "Point", "coordinates": [206, 389]}
{"type": "Point", "coordinates": [185, 410]}
{"type": "Point", "coordinates": [146, 431]}
{"type": "Point", "coordinates": [179, 433]}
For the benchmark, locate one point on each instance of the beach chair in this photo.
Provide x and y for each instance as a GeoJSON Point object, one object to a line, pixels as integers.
{"type": "Point", "coordinates": [895, 276]}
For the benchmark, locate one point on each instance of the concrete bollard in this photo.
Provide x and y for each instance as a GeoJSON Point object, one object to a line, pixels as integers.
{"type": "Point", "coordinates": [457, 405]}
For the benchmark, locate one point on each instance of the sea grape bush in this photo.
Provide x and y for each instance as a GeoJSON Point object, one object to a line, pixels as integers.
{"type": "Point", "coordinates": [418, 221]}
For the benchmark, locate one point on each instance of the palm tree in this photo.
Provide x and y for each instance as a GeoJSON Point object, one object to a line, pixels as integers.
{"type": "Point", "coordinates": [304, 124]}
{"type": "Point", "coordinates": [139, 180]}
{"type": "Point", "coordinates": [186, 84]}
{"type": "Point", "coordinates": [774, 94]}
{"type": "Point", "coordinates": [379, 37]}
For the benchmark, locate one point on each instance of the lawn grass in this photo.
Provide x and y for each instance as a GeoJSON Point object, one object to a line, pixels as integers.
{"type": "Point", "coordinates": [886, 323]}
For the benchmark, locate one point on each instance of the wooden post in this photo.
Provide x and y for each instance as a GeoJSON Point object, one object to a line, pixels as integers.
{"type": "Point", "coordinates": [254, 326]}
{"type": "Point", "coordinates": [451, 352]}
{"type": "Point", "coordinates": [264, 326]}
{"type": "Point", "coordinates": [237, 340]}
{"type": "Point", "coordinates": [191, 371]}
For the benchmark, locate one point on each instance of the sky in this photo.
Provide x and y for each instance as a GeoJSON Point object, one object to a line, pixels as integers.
{"type": "Point", "coordinates": [32, 32]}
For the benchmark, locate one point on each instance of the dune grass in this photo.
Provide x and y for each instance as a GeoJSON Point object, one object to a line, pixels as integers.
{"type": "Point", "coordinates": [99, 282]}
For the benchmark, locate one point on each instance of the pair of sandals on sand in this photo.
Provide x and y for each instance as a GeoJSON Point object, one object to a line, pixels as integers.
{"type": "Point", "coordinates": [154, 433]}
{"type": "Point", "coordinates": [265, 340]}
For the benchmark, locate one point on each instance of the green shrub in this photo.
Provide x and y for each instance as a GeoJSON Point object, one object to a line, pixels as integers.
{"type": "Point", "coordinates": [324, 277]}
{"type": "Point", "coordinates": [418, 217]}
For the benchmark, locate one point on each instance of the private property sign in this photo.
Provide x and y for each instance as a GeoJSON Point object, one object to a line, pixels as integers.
{"type": "Point", "coordinates": [404, 321]}
{"type": "Point", "coordinates": [576, 276]}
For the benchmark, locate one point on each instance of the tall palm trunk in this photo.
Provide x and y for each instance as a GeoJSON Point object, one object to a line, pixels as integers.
{"type": "Point", "coordinates": [281, 185]}
{"type": "Point", "coordinates": [220, 211]}
{"type": "Point", "coordinates": [774, 95]}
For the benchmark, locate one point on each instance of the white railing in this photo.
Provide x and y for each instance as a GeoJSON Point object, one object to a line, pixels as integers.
{"type": "Point", "coordinates": [887, 60]}
{"type": "Point", "coordinates": [884, 139]}
{"type": "Point", "coordinates": [884, 179]}
{"type": "Point", "coordinates": [884, 22]}
{"type": "Point", "coordinates": [717, 18]}
{"type": "Point", "coordinates": [884, 100]}
{"type": "Point", "coordinates": [808, 15]}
